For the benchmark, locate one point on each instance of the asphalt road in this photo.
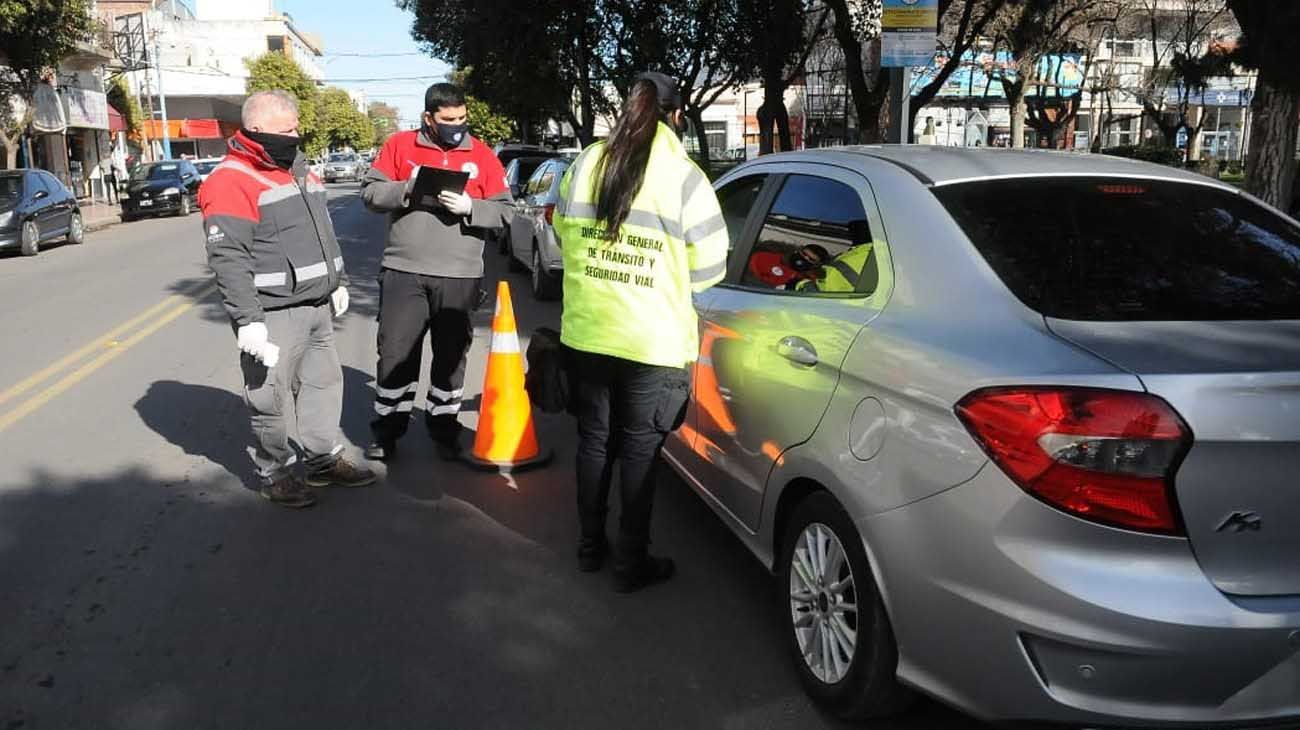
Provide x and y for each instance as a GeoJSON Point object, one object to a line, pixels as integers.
{"type": "Point", "coordinates": [144, 585]}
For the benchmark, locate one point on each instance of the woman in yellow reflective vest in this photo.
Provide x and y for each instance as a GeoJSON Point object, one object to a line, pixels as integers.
{"type": "Point", "coordinates": [641, 230]}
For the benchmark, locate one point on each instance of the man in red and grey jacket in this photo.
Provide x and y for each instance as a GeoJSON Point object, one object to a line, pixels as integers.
{"type": "Point", "coordinates": [278, 265]}
{"type": "Point", "coordinates": [432, 267]}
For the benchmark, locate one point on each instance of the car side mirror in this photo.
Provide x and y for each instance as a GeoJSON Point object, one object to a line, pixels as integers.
{"type": "Point", "coordinates": [40, 195]}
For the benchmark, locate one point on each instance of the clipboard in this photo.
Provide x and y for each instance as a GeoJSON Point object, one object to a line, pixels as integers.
{"type": "Point", "coordinates": [430, 181]}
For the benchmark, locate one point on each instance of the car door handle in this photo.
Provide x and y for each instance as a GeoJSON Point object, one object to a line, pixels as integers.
{"type": "Point", "coordinates": [797, 350]}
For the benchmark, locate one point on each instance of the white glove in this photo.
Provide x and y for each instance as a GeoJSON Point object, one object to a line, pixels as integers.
{"type": "Point", "coordinates": [456, 203]}
{"type": "Point", "coordinates": [339, 301]}
{"type": "Point", "coordinates": [253, 339]}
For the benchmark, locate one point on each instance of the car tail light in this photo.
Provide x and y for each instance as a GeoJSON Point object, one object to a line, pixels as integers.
{"type": "Point", "coordinates": [1103, 455]}
{"type": "Point", "coordinates": [549, 212]}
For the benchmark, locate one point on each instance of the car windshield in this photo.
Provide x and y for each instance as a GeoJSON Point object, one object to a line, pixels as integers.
{"type": "Point", "coordinates": [207, 167]}
{"type": "Point", "coordinates": [158, 171]}
{"type": "Point", "coordinates": [11, 186]}
{"type": "Point", "coordinates": [1122, 249]}
{"type": "Point", "coordinates": [343, 158]}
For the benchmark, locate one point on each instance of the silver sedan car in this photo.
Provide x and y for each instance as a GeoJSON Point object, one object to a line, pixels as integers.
{"type": "Point", "coordinates": [1035, 452]}
{"type": "Point", "coordinates": [531, 242]}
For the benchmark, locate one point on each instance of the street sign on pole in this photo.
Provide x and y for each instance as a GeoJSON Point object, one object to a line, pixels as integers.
{"type": "Point", "coordinates": [909, 29]}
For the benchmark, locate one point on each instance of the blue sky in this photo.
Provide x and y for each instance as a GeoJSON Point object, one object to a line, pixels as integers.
{"type": "Point", "coordinates": [369, 27]}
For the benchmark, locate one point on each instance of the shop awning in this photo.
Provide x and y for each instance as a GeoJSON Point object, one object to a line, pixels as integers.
{"type": "Point", "coordinates": [116, 122]}
{"type": "Point", "coordinates": [190, 129]}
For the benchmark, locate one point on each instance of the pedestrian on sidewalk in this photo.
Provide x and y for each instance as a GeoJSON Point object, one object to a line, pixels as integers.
{"type": "Point", "coordinates": [278, 265]}
{"type": "Point", "coordinates": [642, 230]}
{"type": "Point", "coordinates": [432, 268]}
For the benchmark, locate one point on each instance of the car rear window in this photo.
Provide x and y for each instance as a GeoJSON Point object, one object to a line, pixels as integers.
{"type": "Point", "coordinates": [1111, 249]}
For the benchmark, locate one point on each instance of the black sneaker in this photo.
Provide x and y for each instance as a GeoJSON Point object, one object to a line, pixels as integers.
{"type": "Point", "coordinates": [591, 555]}
{"type": "Point", "coordinates": [644, 573]}
{"type": "Point", "coordinates": [342, 473]}
{"type": "Point", "coordinates": [381, 450]}
{"type": "Point", "coordinates": [288, 491]}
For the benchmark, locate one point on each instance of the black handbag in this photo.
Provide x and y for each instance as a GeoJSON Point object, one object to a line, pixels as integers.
{"type": "Point", "coordinates": [547, 380]}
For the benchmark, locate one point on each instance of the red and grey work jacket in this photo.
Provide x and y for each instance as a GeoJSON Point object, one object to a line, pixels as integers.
{"type": "Point", "coordinates": [269, 237]}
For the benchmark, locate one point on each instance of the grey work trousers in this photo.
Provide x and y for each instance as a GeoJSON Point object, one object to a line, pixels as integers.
{"type": "Point", "coordinates": [307, 382]}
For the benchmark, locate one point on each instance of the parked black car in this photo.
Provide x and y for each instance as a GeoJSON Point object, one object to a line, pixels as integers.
{"type": "Point", "coordinates": [35, 208]}
{"type": "Point", "coordinates": [166, 187]}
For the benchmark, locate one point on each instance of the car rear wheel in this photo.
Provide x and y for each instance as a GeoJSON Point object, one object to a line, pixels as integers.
{"type": "Point", "coordinates": [31, 239]}
{"type": "Point", "coordinates": [546, 286]}
{"type": "Point", "coordinates": [76, 229]}
{"type": "Point", "coordinates": [839, 633]}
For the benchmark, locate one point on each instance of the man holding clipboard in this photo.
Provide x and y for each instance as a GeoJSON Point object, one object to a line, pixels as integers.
{"type": "Point", "coordinates": [443, 190]}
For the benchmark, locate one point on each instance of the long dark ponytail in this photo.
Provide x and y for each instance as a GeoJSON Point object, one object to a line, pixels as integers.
{"type": "Point", "coordinates": [621, 170]}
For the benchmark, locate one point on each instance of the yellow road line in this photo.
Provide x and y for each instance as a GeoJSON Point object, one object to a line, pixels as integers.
{"type": "Point", "coordinates": [106, 340]}
{"type": "Point", "coordinates": [53, 391]}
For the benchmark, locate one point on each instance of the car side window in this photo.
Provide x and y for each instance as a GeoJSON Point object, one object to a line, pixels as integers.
{"type": "Point", "coordinates": [37, 183]}
{"type": "Point", "coordinates": [736, 199]}
{"type": "Point", "coordinates": [814, 240]}
{"type": "Point", "coordinates": [535, 182]}
{"type": "Point", "coordinates": [552, 184]}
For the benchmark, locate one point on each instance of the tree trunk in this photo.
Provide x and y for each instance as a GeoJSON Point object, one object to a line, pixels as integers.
{"type": "Point", "coordinates": [783, 128]}
{"type": "Point", "coordinates": [11, 155]}
{"type": "Point", "coordinates": [1271, 164]}
{"type": "Point", "coordinates": [696, 115]}
{"type": "Point", "coordinates": [766, 119]}
{"type": "Point", "coordinates": [1019, 110]}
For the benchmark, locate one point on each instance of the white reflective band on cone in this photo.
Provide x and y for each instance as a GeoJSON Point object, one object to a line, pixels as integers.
{"type": "Point", "coordinates": [506, 342]}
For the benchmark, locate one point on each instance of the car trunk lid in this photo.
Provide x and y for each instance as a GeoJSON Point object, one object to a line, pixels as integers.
{"type": "Point", "coordinates": [1237, 386]}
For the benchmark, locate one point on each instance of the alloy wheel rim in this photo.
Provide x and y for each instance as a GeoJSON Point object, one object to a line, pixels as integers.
{"type": "Point", "coordinates": [76, 228]}
{"type": "Point", "coordinates": [823, 603]}
{"type": "Point", "coordinates": [30, 233]}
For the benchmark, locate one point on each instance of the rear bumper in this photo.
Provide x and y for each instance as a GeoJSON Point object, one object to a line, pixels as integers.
{"type": "Point", "coordinates": [1016, 612]}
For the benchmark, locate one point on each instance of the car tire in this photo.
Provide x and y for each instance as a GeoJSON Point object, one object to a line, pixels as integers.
{"type": "Point", "coordinates": [503, 242]}
{"type": "Point", "coordinates": [127, 217]}
{"type": "Point", "coordinates": [76, 230]}
{"type": "Point", "coordinates": [864, 686]}
{"type": "Point", "coordinates": [185, 209]}
{"type": "Point", "coordinates": [30, 238]}
{"type": "Point", "coordinates": [546, 286]}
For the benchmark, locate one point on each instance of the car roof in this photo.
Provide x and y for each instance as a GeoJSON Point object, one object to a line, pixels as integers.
{"type": "Point", "coordinates": [939, 166]}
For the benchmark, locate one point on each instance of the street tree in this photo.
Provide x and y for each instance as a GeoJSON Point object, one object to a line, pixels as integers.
{"type": "Point", "coordinates": [1032, 35]}
{"type": "Point", "coordinates": [120, 96]}
{"type": "Point", "coordinates": [384, 119]}
{"type": "Point", "coordinates": [339, 124]}
{"type": "Point", "coordinates": [274, 70]}
{"type": "Point", "coordinates": [524, 68]}
{"type": "Point", "coordinates": [786, 33]}
{"type": "Point", "coordinates": [35, 35]}
{"type": "Point", "coordinates": [485, 123]}
{"type": "Point", "coordinates": [1269, 30]}
{"type": "Point", "coordinates": [1185, 43]}
{"type": "Point", "coordinates": [962, 23]}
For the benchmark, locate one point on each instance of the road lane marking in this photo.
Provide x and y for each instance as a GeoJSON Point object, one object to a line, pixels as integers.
{"type": "Point", "coordinates": [107, 340]}
{"type": "Point", "coordinates": [115, 348]}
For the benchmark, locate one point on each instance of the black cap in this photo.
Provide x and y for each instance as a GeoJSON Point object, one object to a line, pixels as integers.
{"type": "Point", "coordinates": [666, 86]}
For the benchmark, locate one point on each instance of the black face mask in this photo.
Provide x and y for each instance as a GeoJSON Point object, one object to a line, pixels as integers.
{"type": "Point", "coordinates": [281, 148]}
{"type": "Point", "coordinates": [448, 135]}
{"type": "Point", "coordinates": [799, 262]}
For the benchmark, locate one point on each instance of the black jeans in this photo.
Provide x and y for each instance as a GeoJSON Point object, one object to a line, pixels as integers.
{"type": "Point", "coordinates": [625, 412]}
{"type": "Point", "coordinates": [411, 305]}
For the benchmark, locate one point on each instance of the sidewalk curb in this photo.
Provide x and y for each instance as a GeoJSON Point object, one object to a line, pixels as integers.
{"type": "Point", "coordinates": [101, 224]}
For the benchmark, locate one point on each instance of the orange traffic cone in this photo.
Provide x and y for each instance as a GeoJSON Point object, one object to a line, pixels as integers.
{"type": "Point", "coordinates": [506, 439]}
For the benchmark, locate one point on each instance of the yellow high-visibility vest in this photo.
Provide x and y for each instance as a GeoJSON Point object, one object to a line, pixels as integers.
{"type": "Point", "coordinates": [844, 273]}
{"type": "Point", "coordinates": [631, 297]}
